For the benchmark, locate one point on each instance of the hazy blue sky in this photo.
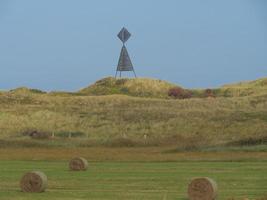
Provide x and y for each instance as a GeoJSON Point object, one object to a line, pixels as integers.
{"type": "Point", "coordinates": [68, 44]}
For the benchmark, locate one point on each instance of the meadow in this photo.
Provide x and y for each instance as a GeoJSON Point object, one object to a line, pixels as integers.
{"type": "Point", "coordinates": [132, 173]}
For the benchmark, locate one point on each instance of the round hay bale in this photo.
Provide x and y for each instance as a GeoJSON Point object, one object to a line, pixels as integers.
{"type": "Point", "coordinates": [34, 181]}
{"type": "Point", "coordinates": [202, 189]}
{"type": "Point", "coordinates": [78, 164]}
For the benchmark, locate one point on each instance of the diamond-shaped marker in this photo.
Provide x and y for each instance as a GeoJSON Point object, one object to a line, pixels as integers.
{"type": "Point", "coordinates": [124, 35]}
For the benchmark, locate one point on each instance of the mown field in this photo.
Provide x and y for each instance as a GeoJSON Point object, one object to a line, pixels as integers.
{"type": "Point", "coordinates": [132, 173]}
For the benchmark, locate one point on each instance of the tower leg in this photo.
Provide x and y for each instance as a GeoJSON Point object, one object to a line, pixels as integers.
{"type": "Point", "coordinates": [134, 74]}
{"type": "Point", "coordinates": [116, 74]}
{"type": "Point", "coordinates": [120, 74]}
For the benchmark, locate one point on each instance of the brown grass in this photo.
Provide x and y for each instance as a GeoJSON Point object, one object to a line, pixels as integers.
{"type": "Point", "coordinates": [147, 154]}
{"type": "Point", "coordinates": [119, 120]}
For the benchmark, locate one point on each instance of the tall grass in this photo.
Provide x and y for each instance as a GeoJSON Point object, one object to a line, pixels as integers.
{"type": "Point", "coordinates": [108, 119]}
{"type": "Point", "coordinates": [144, 87]}
{"type": "Point", "coordinates": [141, 87]}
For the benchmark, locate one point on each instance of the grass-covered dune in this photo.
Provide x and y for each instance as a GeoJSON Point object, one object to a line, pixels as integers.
{"type": "Point", "coordinates": [147, 116]}
{"type": "Point", "coordinates": [248, 88]}
{"type": "Point", "coordinates": [140, 87]}
{"type": "Point", "coordinates": [152, 88]}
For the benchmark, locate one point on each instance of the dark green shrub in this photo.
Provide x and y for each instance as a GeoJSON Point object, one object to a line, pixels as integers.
{"type": "Point", "coordinates": [249, 141]}
{"type": "Point", "coordinates": [125, 90]}
{"type": "Point", "coordinates": [37, 91]}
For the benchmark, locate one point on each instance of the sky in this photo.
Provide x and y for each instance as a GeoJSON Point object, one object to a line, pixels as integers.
{"type": "Point", "coordinates": [69, 44]}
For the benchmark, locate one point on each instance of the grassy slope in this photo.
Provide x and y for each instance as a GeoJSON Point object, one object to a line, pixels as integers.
{"type": "Point", "coordinates": [143, 87]}
{"type": "Point", "coordinates": [139, 87]}
{"type": "Point", "coordinates": [123, 120]}
{"type": "Point", "coordinates": [249, 88]}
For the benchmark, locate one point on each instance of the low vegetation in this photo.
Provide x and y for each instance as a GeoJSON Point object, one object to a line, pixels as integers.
{"type": "Point", "coordinates": [147, 116]}
{"type": "Point", "coordinates": [139, 87]}
{"type": "Point", "coordinates": [179, 93]}
{"type": "Point", "coordinates": [152, 88]}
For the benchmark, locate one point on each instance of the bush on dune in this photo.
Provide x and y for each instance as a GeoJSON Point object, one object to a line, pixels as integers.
{"type": "Point", "coordinates": [179, 93]}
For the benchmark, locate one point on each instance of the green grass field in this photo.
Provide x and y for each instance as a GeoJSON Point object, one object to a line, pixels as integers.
{"type": "Point", "coordinates": [132, 173]}
{"type": "Point", "coordinates": [134, 180]}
